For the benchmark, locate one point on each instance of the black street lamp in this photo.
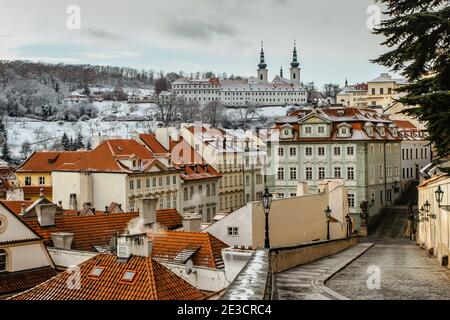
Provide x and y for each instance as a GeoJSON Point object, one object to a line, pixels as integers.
{"type": "Point", "coordinates": [267, 202]}
{"type": "Point", "coordinates": [349, 225]}
{"type": "Point", "coordinates": [439, 195]}
{"type": "Point", "coordinates": [328, 215]}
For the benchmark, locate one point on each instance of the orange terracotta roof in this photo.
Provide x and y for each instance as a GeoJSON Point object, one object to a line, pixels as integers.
{"type": "Point", "coordinates": [13, 282]}
{"type": "Point", "coordinates": [169, 218]}
{"type": "Point", "coordinates": [95, 230]}
{"type": "Point", "coordinates": [104, 158]}
{"type": "Point", "coordinates": [47, 161]}
{"type": "Point", "coordinates": [151, 281]}
{"type": "Point", "coordinates": [199, 172]}
{"type": "Point", "coordinates": [37, 189]}
{"type": "Point", "coordinates": [16, 206]}
{"type": "Point", "coordinates": [89, 231]}
{"type": "Point", "coordinates": [405, 124]}
{"type": "Point", "coordinates": [150, 140]}
{"type": "Point", "coordinates": [167, 245]}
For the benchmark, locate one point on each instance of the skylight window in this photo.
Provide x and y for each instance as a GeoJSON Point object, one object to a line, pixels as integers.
{"type": "Point", "coordinates": [96, 272]}
{"type": "Point", "coordinates": [128, 276]}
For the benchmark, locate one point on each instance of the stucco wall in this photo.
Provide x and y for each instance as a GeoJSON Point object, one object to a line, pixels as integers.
{"type": "Point", "coordinates": [65, 183]}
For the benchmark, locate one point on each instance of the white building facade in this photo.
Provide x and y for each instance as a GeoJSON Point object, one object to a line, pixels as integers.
{"type": "Point", "coordinates": [253, 91]}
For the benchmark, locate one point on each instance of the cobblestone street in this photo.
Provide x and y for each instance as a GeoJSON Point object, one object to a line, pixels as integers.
{"type": "Point", "coordinates": [406, 273]}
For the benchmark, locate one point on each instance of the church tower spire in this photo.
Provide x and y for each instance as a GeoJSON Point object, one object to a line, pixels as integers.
{"type": "Point", "coordinates": [262, 66]}
{"type": "Point", "coordinates": [281, 71]}
{"type": "Point", "coordinates": [294, 63]}
{"type": "Point", "coordinates": [295, 66]}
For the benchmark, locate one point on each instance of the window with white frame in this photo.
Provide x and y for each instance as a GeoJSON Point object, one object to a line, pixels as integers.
{"type": "Point", "coordinates": [337, 151]}
{"type": "Point", "coordinates": [280, 174]}
{"type": "Point", "coordinates": [351, 200]}
{"type": "Point", "coordinates": [293, 194]}
{"type": "Point", "coordinates": [293, 173]}
{"type": "Point", "coordinates": [308, 173]}
{"type": "Point", "coordinates": [232, 231]}
{"type": "Point", "coordinates": [308, 151]}
{"type": "Point", "coordinates": [321, 151]}
{"type": "Point", "coordinates": [350, 173]}
{"type": "Point", "coordinates": [292, 151]}
{"type": "Point", "coordinates": [321, 172]}
{"type": "Point", "coordinates": [41, 180]}
{"type": "Point", "coordinates": [350, 151]}
{"type": "Point", "coordinates": [321, 129]}
{"type": "Point", "coordinates": [281, 151]}
{"type": "Point", "coordinates": [308, 129]}
{"type": "Point", "coordinates": [3, 260]}
{"type": "Point", "coordinates": [337, 172]}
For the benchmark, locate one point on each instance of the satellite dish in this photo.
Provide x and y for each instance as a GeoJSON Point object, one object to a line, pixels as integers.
{"type": "Point", "coordinates": [188, 267]}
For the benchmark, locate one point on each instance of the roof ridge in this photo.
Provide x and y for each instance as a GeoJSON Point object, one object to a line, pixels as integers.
{"type": "Point", "coordinates": [211, 251]}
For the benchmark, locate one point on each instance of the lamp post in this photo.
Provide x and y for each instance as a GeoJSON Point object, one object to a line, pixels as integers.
{"type": "Point", "coordinates": [349, 225]}
{"type": "Point", "coordinates": [267, 202]}
{"type": "Point", "coordinates": [439, 197]}
{"type": "Point", "coordinates": [328, 215]}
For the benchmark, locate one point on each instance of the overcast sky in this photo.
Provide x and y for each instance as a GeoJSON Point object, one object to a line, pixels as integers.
{"type": "Point", "coordinates": [333, 40]}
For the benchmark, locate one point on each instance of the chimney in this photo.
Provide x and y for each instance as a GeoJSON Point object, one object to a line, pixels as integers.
{"type": "Point", "coordinates": [46, 214]}
{"type": "Point", "coordinates": [73, 202]}
{"type": "Point", "coordinates": [22, 211]}
{"type": "Point", "coordinates": [163, 135]}
{"type": "Point", "coordinates": [106, 209]}
{"type": "Point", "coordinates": [60, 203]}
{"type": "Point", "coordinates": [41, 193]}
{"type": "Point", "coordinates": [134, 244]}
{"type": "Point", "coordinates": [147, 210]}
{"type": "Point", "coordinates": [192, 222]}
{"type": "Point", "coordinates": [62, 240]}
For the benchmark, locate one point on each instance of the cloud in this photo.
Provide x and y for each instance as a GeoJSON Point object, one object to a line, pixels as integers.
{"type": "Point", "coordinates": [199, 30]}
{"type": "Point", "coordinates": [101, 34]}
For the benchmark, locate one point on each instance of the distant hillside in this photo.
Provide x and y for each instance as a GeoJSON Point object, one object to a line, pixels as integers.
{"type": "Point", "coordinates": [29, 88]}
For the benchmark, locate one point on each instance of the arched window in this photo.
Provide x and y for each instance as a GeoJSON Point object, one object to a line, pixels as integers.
{"type": "Point", "coordinates": [3, 260]}
{"type": "Point", "coordinates": [293, 75]}
{"type": "Point", "coordinates": [260, 77]}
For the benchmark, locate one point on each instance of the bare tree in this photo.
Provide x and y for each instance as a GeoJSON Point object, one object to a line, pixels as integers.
{"type": "Point", "coordinates": [248, 113]}
{"type": "Point", "coordinates": [330, 90]}
{"type": "Point", "coordinates": [190, 111]}
{"type": "Point", "coordinates": [213, 113]}
{"type": "Point", "coordinates": [168, 108]}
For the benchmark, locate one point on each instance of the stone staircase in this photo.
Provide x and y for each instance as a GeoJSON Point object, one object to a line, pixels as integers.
{"type": "Point", "coordinates": [392, 223]}
{"type": "Point", "coordinates": [410, 193]}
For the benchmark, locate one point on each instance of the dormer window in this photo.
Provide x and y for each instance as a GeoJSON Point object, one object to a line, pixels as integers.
{"type": "Point", "coordinates": [344, 130]}
{"type": "Point", "coordinates": [286, 132]}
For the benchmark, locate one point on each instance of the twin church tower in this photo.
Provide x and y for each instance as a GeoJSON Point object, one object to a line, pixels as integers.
{"type": "Point", "coordinates": [294, 70]}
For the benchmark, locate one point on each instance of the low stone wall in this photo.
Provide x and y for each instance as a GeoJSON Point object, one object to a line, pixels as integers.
{"type": "Point", "coordinates": [289, 257]}
{"type": "Point", "coordinates": [255, 281]}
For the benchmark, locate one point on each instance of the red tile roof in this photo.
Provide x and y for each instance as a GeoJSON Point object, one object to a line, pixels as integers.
{"type": "Point", "coordinates": [169, 218]}
{"type": "Point", "coordinates": [152, 143]}
{"type": "Point", "coordinates": [405, 124]}
{"type": "Point", "coordinates": [152, 281]}
{"type": "Point", "coordinates": [16, 206]}
{"type": "Point", "coordinates": [13, 282]}
{"type": "Point", "coordinates": [47, 161]}
{"type": "Point", "coordinates": [89, 231]}
{"type": "Point", "coordinates": [104, 158]}
{"type": "Point", "coordinates": [36, 190]}
{"type": "Point", "coordinates": [198, 172]}
{"type": "Point", "coordinates": [167, 245]}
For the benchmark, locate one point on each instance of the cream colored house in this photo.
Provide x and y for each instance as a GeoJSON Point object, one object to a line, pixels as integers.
{"type": "Point", "coordinates": [237, 157]}
{"type": "Point", "coordinates": [292, 221]}
{"type": "Point", "coordinates": [382, 91]}
{"type": "Point", "coordinates": [24, 260]}
{"type": "Point", "coordinates": [433, 229]}
{"type": "Point", "coordinates": [117, 170]}
{"type": "Point", "coordinates": [354, 96]}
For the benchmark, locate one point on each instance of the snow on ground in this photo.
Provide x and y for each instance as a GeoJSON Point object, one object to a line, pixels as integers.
{"type": "Point", "coordinates": [121, 109]}
{"type": "Point", "coordinates": [42, 134]}
{"type": "Point", "coordinates": [268, 112]}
